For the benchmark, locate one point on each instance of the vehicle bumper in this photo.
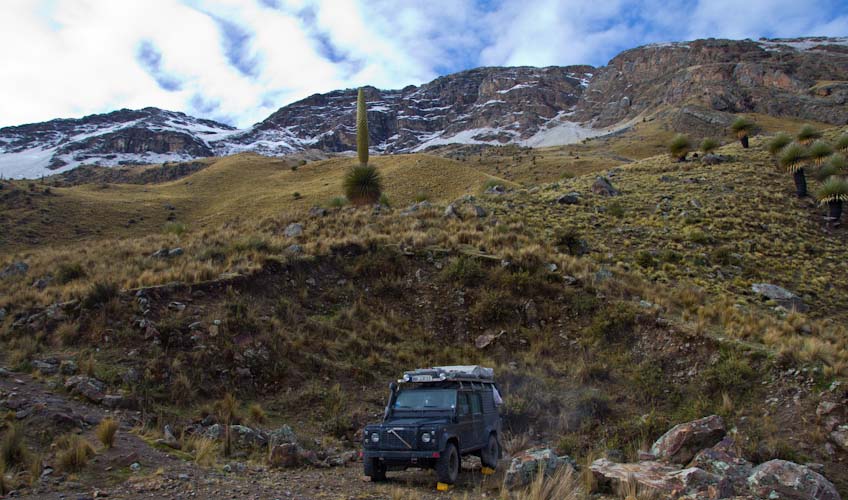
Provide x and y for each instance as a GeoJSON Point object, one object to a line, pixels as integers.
{"type": "Point", "coordinates": [402, 457]}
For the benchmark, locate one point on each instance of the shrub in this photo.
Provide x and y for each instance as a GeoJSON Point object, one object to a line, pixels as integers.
{"type": "Point", "coordinates": [732, 373]}
{"type": "Point", "coordinates": [778, 142]}
{"type": "Point", "coordinates": [613, 323]}
{"type": "Point", "coordinates": [384, 201]}
{"type": "Point", "coordinates": [709, 145]}
{"type": "Point", "coordinates": [421, 196]}
{"type": "Point", "coordinates": [679, 147]}
{"type": "Point", "coordinates": [569, 240]}
{"type": "Point", "coordinates": [338, 202]}
{"type": "Point", "coordinates": [363, 185]}
{"type": "Point", "coordinates": [842, 143]}
{"type": "Point", "coordinates": [73, 453]}
{"type": "Point", "coordinates": [99, 294]}
{"type": "Point", "coordinates": [177, 228]}
{"type": "Point", "coordinates": [834, 189]}
{"type": "Point", "coordinates": [838, 161]}
{"type": "Point", "coordinates": [615, 209]}
{"type": "Point", "coordinates": [742, 127]}
{"type": "Point", "coordinates": [492, 306]}
{"type": "Point", "coordinates": [464, 269]}
{"type": "Point", "coordinates": [296, 195]}
{"type": "Point", "coordinates": [13, 451]}
{"type": "Point", "coordinates": [257, 414]}
{"type": "Point", "coordinates": [645, 259]}
{"type": "Point", "coordinates": [793, 158]}
{"type": "Point", "coordinates": [819, 152]}
{"type": "Point", "coordinates": [563, 484]}
{"type": "Point", "coordinates": [106, 430]}
{"type": "Point", "coordinates": [69, 272]}
{"type": "Point", "coordinates": [204, 449]}
{"type": "Point", "coordinates": [807, 134]}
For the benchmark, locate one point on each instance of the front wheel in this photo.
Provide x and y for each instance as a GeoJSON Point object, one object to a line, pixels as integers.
{"type": "Point", "coordinates": [375, 469]}
{"type": "Point", "coordinates": [489, 455]}
{"type": "Point", "coordinates": [447, 467]}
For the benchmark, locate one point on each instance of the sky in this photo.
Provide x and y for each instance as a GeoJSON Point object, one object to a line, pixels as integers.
{"type": "Point", "coordinates": [237, 61]}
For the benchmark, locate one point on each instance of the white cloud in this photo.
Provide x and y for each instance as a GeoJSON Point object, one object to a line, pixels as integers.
{"type": "Point", "coordinates": [240, 60]}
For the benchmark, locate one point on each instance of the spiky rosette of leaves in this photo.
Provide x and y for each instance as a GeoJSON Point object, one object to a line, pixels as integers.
{"type": "Point", "coordinates": [363, 185]}
{"type": "Point", "coordinates": [808, 134]}
{"type": "Point", "coordinates": [819, 152]}
{"type": "Point", "coordinates": [793, 158]}
{"type": "Point", "coordinates": [826, 171]}
{"type": "Point", "coordinates": [842, 143]}
{"type": "Point", "coordinates": [709, 145]}
{"type": "Point", "coordinates": [838, 162]}
{"type": "Point", "coordinates": [833, 190]}
{"type": "Point", "coordinates": [361, 128]}
{"type": "Point", "coordinates": [679, 147]}
{"type": "Point", "coordinates": [778, 142]}
{"type": "Point", "coordinates": [742, 127]}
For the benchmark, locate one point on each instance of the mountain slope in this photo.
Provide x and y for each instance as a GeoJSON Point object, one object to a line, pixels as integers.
{"type": "Point", "coordinates": [701, 81]}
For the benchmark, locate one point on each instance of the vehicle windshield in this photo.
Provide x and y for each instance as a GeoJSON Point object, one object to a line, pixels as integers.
{"type": "Point", "coordinates": [426, 398]}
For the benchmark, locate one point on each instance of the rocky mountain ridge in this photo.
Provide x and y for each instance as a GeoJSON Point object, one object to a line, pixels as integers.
{"type": "Point", "coordinates": [803, 78]}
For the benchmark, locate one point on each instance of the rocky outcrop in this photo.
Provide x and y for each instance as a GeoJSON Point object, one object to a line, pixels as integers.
{"type": "Point", "coordinates": [526, 464]}
{"type": "Point", "coordinates": [714, 472]}
{"type": "Point", "coordinates": [781, 296]}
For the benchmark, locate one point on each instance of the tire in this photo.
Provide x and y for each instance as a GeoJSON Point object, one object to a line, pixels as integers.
{"type": "Point", "coordinates": [375, 469]}
{"type": "Point", "coordinates": [447, 467]}
{"type": "Point", "coordinates": [489, 455]}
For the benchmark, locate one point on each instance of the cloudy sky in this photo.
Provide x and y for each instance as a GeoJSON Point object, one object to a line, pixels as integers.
{"type": "Point", "coordinates": [237, 61]}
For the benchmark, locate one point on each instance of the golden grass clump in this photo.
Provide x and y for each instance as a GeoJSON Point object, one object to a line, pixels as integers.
{"type": "Point", "coordinates": [106, 431]}
{"type": "Point", "coordinates": [73, 453]}
{"type": "Point", "coordinates": [564, 484]}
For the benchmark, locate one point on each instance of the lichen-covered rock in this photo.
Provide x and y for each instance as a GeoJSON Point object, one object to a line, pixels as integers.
{"type": "Point", "coordinates": [790, 481]}
{"type": "Point", "coordinates": [284, 434]}
{"type": "Point", "coordinates": [524, 466]}
{"type": "Point", "coordinates": [668, 480]}
{"type": "Point", "coordinates": [90, 388]}
{"type": "Point", "coordinates": [286, 455]}
{"type": "Point", "coordinates": [721, 460]}
{"type": "Point", "coordinates": [680, 444]}
{"type": "Point", "coordinates": [246, 437]}
{"type": "Point", "coordinates": [603, 187]}
{"type": "Point", "coordinates": [781, 296]}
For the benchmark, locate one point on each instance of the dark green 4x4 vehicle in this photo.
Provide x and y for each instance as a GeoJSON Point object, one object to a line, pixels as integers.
{"type": "Point", "coordinates": [433, 418]}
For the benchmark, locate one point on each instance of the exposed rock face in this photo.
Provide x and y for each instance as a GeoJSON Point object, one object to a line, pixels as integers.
{"type": "Point", "coordinates": [683, 441]}
{"type": "Point", "coordinates": [700, 82]}
{"type": "Point", "coordinates": [776, 77]}
{"type": "Point", "coordinates": [524, 466]}
{"type": "Point", "coordinates": [782, 296]}
{"type": "Point", "coordinates": [790, 481]}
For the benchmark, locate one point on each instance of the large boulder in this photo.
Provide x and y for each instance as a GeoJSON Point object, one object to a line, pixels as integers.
{"type": "Point", "coordinates": [603, 187]}
{"type": "Point", "coordinates": [722, 460]}
{"type": "Point", "coordinates": [680, 444]}
{"type": "Point", "coordinates": [90, 388]}
{"type": "Point", "coordinates": [790, 481]}
{"type": "Point", "coordinates": [293, 230]}
{"type": "Point", "coordinates": [14, 269]}
{"type": "Point", "coordinates": [284, 434]}
{"type": "Point", "coordinates": [525, 465]}
{"type": "Point", "coordinates": [781, 296]}
{"type": "Point", "coordinates": [669, 481]}
{"type": "Point", "coordinates": [284, 456]}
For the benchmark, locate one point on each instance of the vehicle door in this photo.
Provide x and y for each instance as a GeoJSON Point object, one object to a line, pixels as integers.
{"type": "Point", "coordinates": [465, 421]}
{"type": "Point", "coordinates": [480, 434]}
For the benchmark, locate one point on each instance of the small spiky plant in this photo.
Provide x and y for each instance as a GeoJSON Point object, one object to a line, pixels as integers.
{"type": "Point", "coordinates": [679, 147]}
{"type": "Point", "coordinates": [841, 143]}
{"type": "Point", "coordinates": [362, 183]}
{"type": "Point", "coordinates": [793, 159]}
{"type": "Point", "coordinates": [709, 145]}
{"type": "Point", "coordinates": [807, 135]}
{"type": "Point", "coordinates": [819, 152]}
{"type": "Point", "coordinates": [833, 193]}
{"type": "Point", "coordinates": [778, 142]}
{"type": "Point", "coordinates": [743, 128]}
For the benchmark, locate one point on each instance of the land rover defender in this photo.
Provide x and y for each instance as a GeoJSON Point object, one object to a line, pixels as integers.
{"type": "Point", "coordinates": [434, 417]}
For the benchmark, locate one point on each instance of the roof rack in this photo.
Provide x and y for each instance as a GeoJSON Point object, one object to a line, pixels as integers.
{"type": "Point", "coordinates": [462, 373]}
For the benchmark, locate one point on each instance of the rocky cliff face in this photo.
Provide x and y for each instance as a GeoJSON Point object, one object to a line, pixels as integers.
{"type": "Point", "coordinates": [702, 82]}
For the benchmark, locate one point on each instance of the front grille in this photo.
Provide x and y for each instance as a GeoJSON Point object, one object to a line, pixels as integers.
{"type": "Point", "coordinates": [390, 441]}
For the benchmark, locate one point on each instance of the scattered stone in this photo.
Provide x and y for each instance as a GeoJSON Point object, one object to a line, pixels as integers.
{"type": "Point", "coordinates": [680, 444]}
{"type": "Point", "coordinates": [782, 296]}
{"type": "Point", "coordinates": [486, 339]}
{"type": "Point", "coordinates": [169, 439]}
{"type": "Point", "coordinates": [790, 481]}
{"type": "Point", "coordinates": [135, 467]}
{"type": "Point", "coordinates": [527, 464]}
{"type": "Point", "coordinates": [496, 189]}
{"type": "Point", "coordinates": [722, 460]}
{"type": "Point", "coordinates": [176, 306]}
{"type": "Point", "coordinates": [2, 315]}
{"type": "Point", "coordinates": [175, 252]}
{"type": "Point", "coordinates": [317, 212]}
{"type": "Point", "coordinates": [162, 253]}
{"type": "Point", "coordinates": [48, 367]}
{"type": "Point", "coordinates": [531, 314]}
{"type": "Point", "coordinates": [284, 456]}
{"type": "Point", "coordinates": [90, 388]}
{"type": "Point", "coordinates": [294, 250]}
{"type": "Point", "coordinates": [479, 211]}
{"type": "Point", "coordinates": [713, 159]}
{"type": "Point", "coordinates": [451, 212]}
{"type": "Point", "coordinates": [281, 435]}
{"type": "Point", "coordinates": [603, 187]}
{"type": "Point", "coordinates": [41, 283]}
{"type": "Point", "coordinates": [840, 437]}
{"type": "Point", "coordinates": [668, 480]}
{"type": "Point", "coordinates": [603, 274]}
{"type": "Point", "coordinates": [116, 401]}
{"type": "Point", "coordinates": [4, 373]}
{"type": "Point", "coordinates": [236, 467]}
{"type": "Point", "coordinates": [551, 267]}
{"type": "Point", "coordinates": [68, 367]}
{"type": "Point", "coordinates": [293, 230]}
{"type": "Point", "coordinates": [14, 269]}
{"type": "Point", "coordinates": [572, 198]}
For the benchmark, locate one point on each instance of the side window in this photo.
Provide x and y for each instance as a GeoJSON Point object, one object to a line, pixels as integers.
{"type": "Point", "coordinates": [462, 403]}
{"type": "Point", "coordinates": [476, 406]}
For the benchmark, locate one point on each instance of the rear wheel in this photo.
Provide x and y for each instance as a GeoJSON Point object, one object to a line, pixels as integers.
{"type": "Point", "coordinates": [375, 469]}
{"type": "Point", "coordinates": [447, 467]}
{"type": "Point", "coordinates": [489, 455]}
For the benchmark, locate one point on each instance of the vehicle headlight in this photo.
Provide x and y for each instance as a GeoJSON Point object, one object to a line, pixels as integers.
{"type": "Point", "coordinates": [426, 437]}
{"type": "Point", "coordinates": [375, 437]}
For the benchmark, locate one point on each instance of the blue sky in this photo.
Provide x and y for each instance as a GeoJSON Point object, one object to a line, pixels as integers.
{"type": "Point", "coordinates": [237, 61]}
